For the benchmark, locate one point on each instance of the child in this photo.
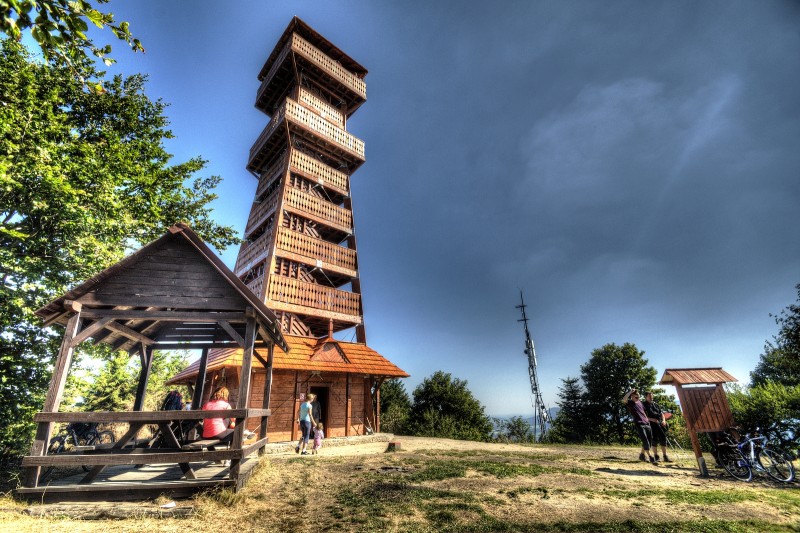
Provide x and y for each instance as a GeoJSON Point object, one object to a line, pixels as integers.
{"type": "Point", "coordinates": [319, 434]}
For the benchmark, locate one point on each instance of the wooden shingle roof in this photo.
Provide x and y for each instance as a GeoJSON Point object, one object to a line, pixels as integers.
{"type": "Point", "coordinates": [693, 376]}
{"type": "Point", "coordinates": [173, 293]}
{"type": "Point", "coordinates": [323, 355]}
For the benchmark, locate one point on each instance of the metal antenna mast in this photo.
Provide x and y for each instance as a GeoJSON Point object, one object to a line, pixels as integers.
{"type": "Point", "coordinates": [540, 416]}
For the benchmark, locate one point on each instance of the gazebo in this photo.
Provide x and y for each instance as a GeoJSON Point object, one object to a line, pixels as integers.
{"type": "Point", "coordinates": [174, 293]}
{"type": "Point", "coordinates": [703, 402]}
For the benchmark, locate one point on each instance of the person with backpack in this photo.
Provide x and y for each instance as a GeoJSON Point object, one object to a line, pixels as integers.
{"type": "Point", "coordinates": [657, 425]}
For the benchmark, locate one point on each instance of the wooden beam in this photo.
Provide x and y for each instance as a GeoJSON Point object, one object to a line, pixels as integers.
{"type": "Point", "coordinates": [130, 333]}
{"type": "Point", "coordinates": [55, 392]}
{"type": "Point", "coordinates": [165, 316]}
{"type": "Point", "coordinates": [262, 429]}
{"type": "Point", "coordinates": [199, 383]}
{"type": "Point", "coordinates": [146, 358]}
{"type": "Point", "coordinates": [90, 330]}
{"type": "Point", "coordinates": [348, 415]}
{"type": "Point", "coordinates": [243, 399]}
{"type": "Point", "coordinates": [232, 332]}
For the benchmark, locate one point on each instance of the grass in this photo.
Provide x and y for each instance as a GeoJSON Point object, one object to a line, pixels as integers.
{"type": "Point", "coordinates": [452, 490]}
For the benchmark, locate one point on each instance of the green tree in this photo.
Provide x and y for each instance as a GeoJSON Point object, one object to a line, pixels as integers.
{"type": "Point", "coordinates": [780, 362]}
{"type": "Point", "coordinates": [610, 372]}
{"type": "Point", "coordinates": [84, 176]}
{"type": "Point", "coordinates": [515, 429]}
{"type": "Point", "coordinates": [113, 388]}
{"type": "Point", "coordinates": [395, 405]}
{"type": "Point", "coordinates": [570, 423]}
{"type": "Point", "coordinates": [60, 27]}
{"type": "Point", "coordinates": [445, 407]}
{"type": "Point", "coordinates": [772, 407]}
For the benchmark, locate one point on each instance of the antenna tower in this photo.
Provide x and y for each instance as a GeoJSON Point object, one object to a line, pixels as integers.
{"type": "Point", "coordinates": [540, 416]}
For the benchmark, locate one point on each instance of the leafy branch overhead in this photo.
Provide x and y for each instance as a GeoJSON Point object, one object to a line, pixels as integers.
{"type": "Point", "coordinates": [60, 27]}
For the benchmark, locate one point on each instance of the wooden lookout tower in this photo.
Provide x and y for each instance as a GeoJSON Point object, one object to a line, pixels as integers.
{"type": "Point", "coordinates": [299, 253]}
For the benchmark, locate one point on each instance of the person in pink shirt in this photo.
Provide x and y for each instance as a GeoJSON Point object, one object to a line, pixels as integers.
{"type": "Point", "coordinates": [218, 428]}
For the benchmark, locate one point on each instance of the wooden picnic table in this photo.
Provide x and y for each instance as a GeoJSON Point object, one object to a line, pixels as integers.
{"type": "Point", "coordinates": [120, 453]}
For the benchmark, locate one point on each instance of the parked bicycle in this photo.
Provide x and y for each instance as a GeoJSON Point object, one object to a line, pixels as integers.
{"type": "Point", "coordinates": [72, 438]}
{"type": "Point", "coordinates": [740, 456]}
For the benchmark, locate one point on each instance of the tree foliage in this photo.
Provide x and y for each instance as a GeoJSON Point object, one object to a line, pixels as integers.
{"type": "Point", "coordinates": [60, 27]}
{"type": "Point", "coordinates": [445, 407]}
{"type": "Point", "coordinates": [780, 362]}
{"type": "Point", "coordinates": [395, 406]}
{"type": "Point", "coordinates": [570, 424]}
{"type": "Point", "coordinates": [773, 408]}
{"type": "Point", "coordinates": [84, 176]}
{"type": "Point", "coordinates": [610, 372]}
{"type": "Point", "coordinates": [515, 429]}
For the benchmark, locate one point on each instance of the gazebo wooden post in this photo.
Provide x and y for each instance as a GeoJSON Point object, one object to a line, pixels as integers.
{"type": "Point", "coordinates": [199, 383]}
{"type": "Point", "coordinates": [56, 390]}
{"type": "Point", "coordinates": [146, 357]}
{"type": "Point", "coordinates": [698, 452]}
{"type": "Point", "coordinates": [348, 415]}
{"type": "Point", "coordinates": [262, 428]}
{"type": "Point", "coordinates": [296, 403]}
{"type": "Point", "coordinates": [243, 398]}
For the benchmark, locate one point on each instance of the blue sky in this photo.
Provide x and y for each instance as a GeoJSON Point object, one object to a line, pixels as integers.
{"type": "Point", "coordinates": [633, 167]}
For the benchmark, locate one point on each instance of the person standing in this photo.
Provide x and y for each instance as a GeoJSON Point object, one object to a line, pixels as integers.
{"type": "Point", "coordinates": [306, 419]}
{"type": "Point", "coordinates": [658, 425]}
{"type": "Point", "coordinates": [640, 421]}
{"type": "Point", "coordinates": [319, 434]}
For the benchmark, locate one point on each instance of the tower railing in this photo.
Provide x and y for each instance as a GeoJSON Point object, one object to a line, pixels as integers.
{"type": "Point", "coordinates": [314, 248]}
{"type": "Point", "coordinates": [253, 253]}
{"type": "Point", "coordinates": [318, 171]}
{"type": "Point", "coordinates": [319, 209]}
{"type": "Point", "coordinates": [310, 295]}
{"type": "Point", "coordinates": [313, 54]}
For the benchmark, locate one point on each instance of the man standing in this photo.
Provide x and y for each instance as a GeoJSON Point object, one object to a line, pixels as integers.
{"type": "Point", "coordinates": [658, 425]}
{"type": "Point", "coordinates": [640, 421]}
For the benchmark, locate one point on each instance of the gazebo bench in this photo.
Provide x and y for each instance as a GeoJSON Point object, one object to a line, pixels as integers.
{"type": "Point", "coordinates": [200, 444]}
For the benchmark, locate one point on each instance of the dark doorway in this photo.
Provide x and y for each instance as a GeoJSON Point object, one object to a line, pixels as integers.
{"type": "Point", "coordinates": [323, 397]}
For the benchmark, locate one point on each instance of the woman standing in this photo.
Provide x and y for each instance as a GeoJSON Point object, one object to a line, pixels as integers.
{"type": "Point", "coordinates": [306, 419]}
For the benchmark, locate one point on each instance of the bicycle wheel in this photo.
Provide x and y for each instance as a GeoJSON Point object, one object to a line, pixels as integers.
{"type": "Point", "coordinates": [99, 439]}
{"type": "Point", "coordinates": [56, 446]}
{"type": "Point", "coordinates": [735, 464]}
{"type": "Point", "coordinates": [776, 464]}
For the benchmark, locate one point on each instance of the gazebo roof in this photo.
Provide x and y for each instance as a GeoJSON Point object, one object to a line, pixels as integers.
{"type": "Point", "coordinates": [322, 355]}
{"type": "Point", "coordinates": [695, 376]}
{"type": "Point", "coordinates": [173, 293]}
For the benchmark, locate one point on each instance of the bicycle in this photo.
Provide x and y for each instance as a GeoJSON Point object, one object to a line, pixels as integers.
{"type": "Point", "coordinates": [74, 436]}
{"type": "Point", "coordinates": [739, 457]}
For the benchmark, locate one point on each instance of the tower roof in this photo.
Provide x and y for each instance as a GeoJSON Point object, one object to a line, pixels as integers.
{"type": "Point", "coordinates": [308, 33]}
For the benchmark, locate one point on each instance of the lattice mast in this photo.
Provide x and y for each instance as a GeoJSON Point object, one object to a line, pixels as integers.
{"type": "Point", "coordinates": [540, 416]}
{"type": "Point", "coordinates": [299, 254]}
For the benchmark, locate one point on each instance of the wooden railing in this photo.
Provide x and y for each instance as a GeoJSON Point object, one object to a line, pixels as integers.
{"type": "Point", "coordinates": [273, 124]}
{"type": "Point", "coordinates": [318, 171]}
{"type": "Point", "coordinates": [253, 253]}
{"type": "Point", "coordinates": [311, 121]}
{"type": "Point", "coordinates": [256, 285]}
{"type": "Point", "coordinates": [262, 211]}
{"type": "Point", "coordinates": [292, 291]}
{"type": "Point", "coordinates": [335, 70]}
{"type": "Point", "coordinates": [298, 243]}
{"type": "Point", "coordinates": [321, 107]}
{"type": "Point", "coordinates": [320, 209]}
{"type": "Point", "coordinates": [270, 174]}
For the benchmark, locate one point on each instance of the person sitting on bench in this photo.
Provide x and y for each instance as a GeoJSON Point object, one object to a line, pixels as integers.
{"type": "Point", "coordinates": [218, 428]}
